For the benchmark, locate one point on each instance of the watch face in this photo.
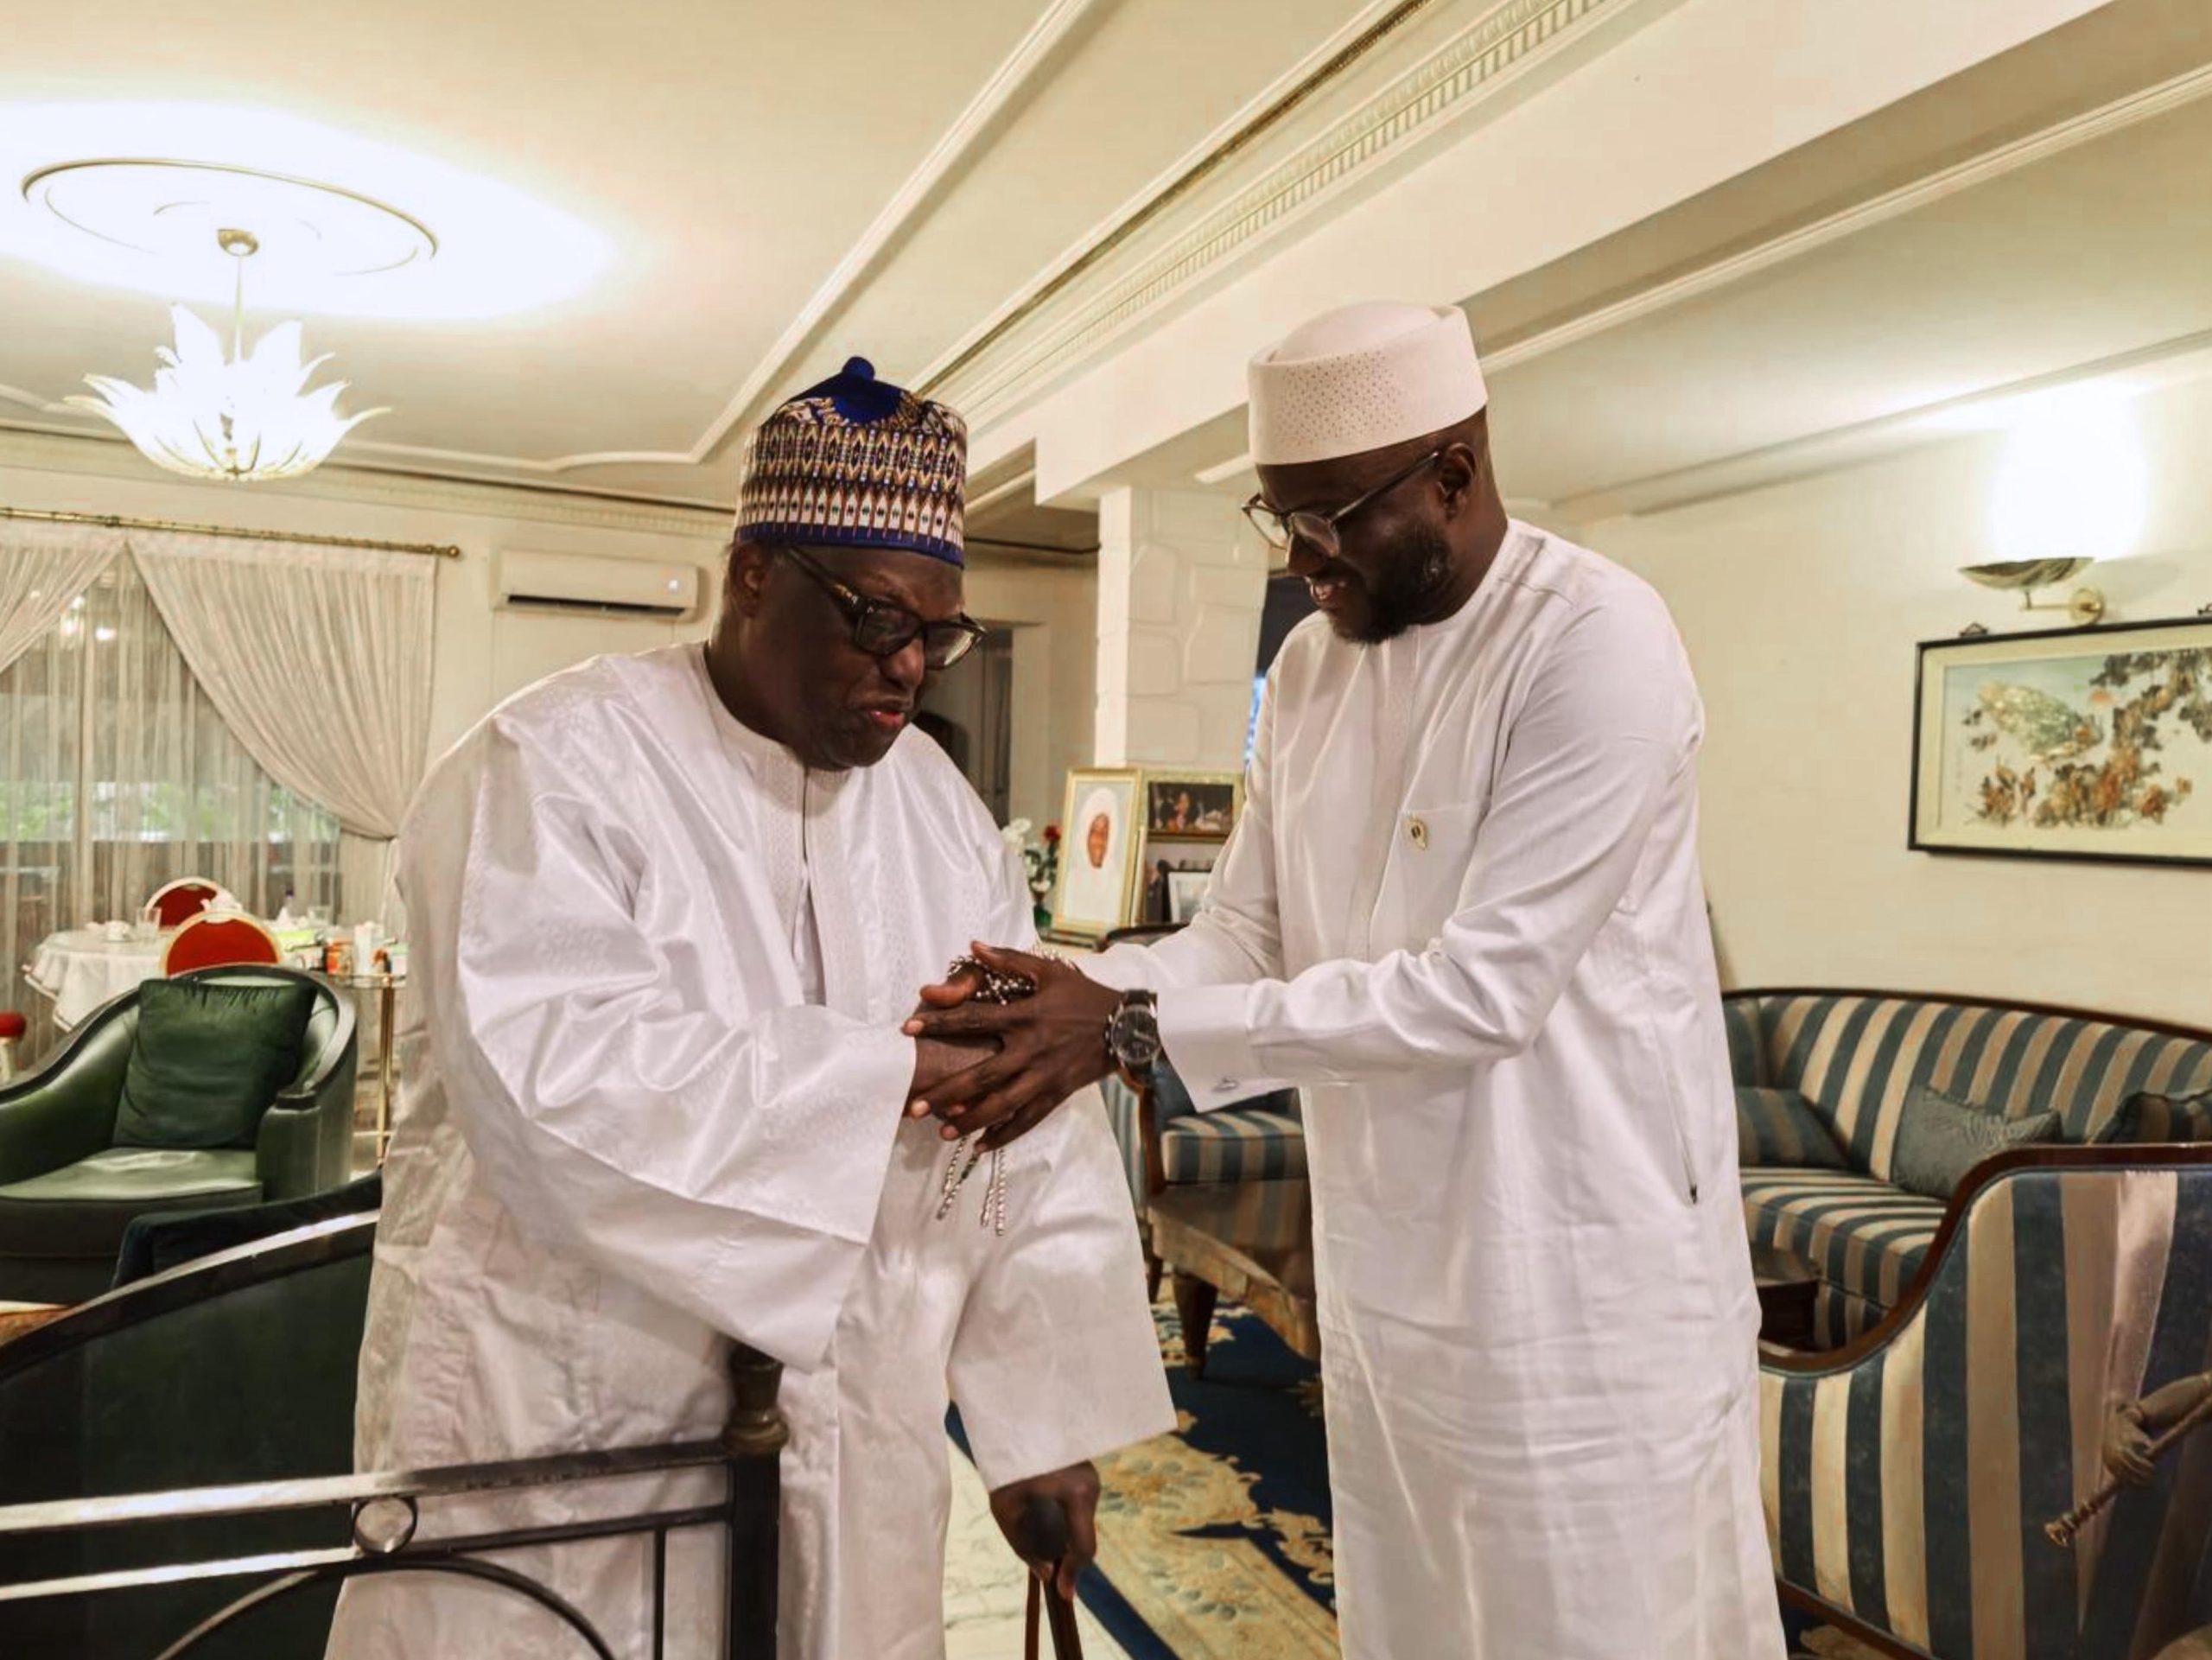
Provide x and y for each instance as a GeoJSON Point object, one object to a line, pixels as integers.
{"type": "Point", "coordinates": [1136, 1035]}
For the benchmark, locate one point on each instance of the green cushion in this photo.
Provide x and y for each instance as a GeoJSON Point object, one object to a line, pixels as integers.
{"type": "Point", "coordinates": [207, 1061]}
{"type": "Point", "coordinates": [1779, 1128]}
{"type": "Point", "coordinates": [1940, 1140]}
{"type": "Point", "coordinates": [82, 1208]}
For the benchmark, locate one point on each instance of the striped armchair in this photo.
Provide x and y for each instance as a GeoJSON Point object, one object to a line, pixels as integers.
{"type": "Point", "coordinates": [1165, 1140]}
{"type": "Point", "coordinates": [1909, 1476]}
{"type": "Point", "coordinates": [1855, 1055]}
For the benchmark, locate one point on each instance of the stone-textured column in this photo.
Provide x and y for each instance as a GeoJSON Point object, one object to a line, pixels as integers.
{"type": "Point", "coordinates": [1181, 583]}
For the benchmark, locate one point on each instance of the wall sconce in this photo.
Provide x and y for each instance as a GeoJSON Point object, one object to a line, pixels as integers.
{"type": "Point", "coordinates": [2084, 606]}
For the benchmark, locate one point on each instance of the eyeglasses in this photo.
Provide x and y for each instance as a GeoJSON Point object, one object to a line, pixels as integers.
{"type": "Point", "coordinates": [882, 629]}
{"type": "Point", "coordinates": [1318, 531]}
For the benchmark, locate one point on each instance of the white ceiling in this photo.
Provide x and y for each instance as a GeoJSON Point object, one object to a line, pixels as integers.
{"type": "Point", "coordinates": [732, 154]}
{"type": "Point", "coordinates": [2092, 258]}
{"type": "Point", "coordinates": [777, 187]}
{"type": "Point", "coordinates": [2042, 218]}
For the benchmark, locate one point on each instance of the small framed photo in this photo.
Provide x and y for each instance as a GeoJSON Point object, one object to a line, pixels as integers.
{"type": "Point", "coordinates": [2074, 743]}
{"type": "Point", "coordinates": [1187, 889]}
{"type": "Point", "coordinates": [1201, 806]}
{"type": "Point", "coordinates": [1103, 831]}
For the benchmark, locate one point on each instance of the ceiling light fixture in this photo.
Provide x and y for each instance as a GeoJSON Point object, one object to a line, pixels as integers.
{"type": "Point", "coordinates": [243, 417]}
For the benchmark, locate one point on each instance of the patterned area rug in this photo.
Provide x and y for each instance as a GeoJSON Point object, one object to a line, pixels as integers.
{"type": "Point", "coordinates": [1214, 1542]}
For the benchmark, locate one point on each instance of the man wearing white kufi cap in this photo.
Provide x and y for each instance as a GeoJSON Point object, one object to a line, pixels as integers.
{"type": "Point", "coordinates": [1463, 913]}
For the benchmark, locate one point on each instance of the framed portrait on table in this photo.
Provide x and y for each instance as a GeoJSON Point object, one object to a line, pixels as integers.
{"type": "Point", "coordinates": [1192, 805]}
{"type": "Point", "coordinates": [1186, 889]}
{"type": "Point", "coordinates": [2074, 743]}
{"type": "Point", "coordinates": [1102, 816]}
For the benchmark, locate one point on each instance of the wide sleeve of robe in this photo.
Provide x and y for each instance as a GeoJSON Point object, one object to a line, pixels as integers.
{"type": "Point", "coordinates": [730, 1161]}
{"type": "Point", "coordinates": [1055, 1360]}
{"type": "Point", "coordinates": [1610, 726]}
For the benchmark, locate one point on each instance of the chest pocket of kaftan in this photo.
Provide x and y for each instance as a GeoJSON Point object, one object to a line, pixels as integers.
{"type": "Point", "coordinates": [1432, 853]}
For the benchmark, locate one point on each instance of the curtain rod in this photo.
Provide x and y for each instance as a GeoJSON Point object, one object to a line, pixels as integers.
{"type": "Point", "coordinates": [119, 522]}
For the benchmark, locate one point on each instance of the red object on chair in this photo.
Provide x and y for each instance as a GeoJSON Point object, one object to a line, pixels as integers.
{"type": "Point", "coordinates": [207, 942]}
{"type": "Point", "coordinates": [179, 901]}
{"type": "Point", "coordinates": [12, 1027]}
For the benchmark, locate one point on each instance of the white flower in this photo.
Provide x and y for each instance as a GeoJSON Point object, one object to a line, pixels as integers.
{"type": "Point", "coordinates": [1016, 835]}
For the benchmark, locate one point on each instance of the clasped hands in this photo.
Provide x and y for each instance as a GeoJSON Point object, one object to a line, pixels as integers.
{"type": "Point", "coordinates": [1000, 1068]}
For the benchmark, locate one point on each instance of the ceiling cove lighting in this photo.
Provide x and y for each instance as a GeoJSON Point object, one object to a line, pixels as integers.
{"type": "Point", "coordinates": [130, 195]}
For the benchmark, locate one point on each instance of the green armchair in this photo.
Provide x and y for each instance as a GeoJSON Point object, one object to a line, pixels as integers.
{"type": "Point", "coordinates": [67, 1193]}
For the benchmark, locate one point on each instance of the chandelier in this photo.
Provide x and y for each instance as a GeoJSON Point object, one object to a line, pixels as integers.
{"type": "Point", "coordinates": [242, 418]}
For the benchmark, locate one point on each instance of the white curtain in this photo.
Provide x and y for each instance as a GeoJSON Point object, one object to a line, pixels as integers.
{"type": "Point", "coordinates": [118, 773]}
{"type": "Point", "coordinates": [42, 569]}
{"type": "Point", "coordinates": [318, 659]}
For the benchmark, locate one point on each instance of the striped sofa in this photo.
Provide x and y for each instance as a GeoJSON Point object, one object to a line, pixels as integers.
{"type": "Point", "coordinates": [1854, 1055]}
{"type": "Point", "coordinates": [1908, 1477]}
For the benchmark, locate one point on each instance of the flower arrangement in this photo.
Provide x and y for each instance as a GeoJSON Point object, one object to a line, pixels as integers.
{"type": "Point", "coordinates": [1040, 863]}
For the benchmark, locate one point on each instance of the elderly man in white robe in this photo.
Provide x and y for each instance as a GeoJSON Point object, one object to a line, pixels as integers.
{"type": "Point", "coordinates": [1462, 913]}
{"type": "Point", "coordinates": [669, 911]}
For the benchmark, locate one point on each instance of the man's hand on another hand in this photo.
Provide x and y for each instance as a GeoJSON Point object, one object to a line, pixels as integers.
{"type": "Point", "coordinates": [1076, 1490]}
{"type": "Point", "coordinates": [1049, 1045]}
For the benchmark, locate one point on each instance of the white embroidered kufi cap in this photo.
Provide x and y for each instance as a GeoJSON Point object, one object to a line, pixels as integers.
{"type": "Point", "coordinates": [1361, 378]}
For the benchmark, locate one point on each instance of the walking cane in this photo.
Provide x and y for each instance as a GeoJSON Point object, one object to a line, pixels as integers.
{"type": "Point", "coordinates": [1044, 1532]}
{"type": "Point", "coordinates": [2062, 1531]}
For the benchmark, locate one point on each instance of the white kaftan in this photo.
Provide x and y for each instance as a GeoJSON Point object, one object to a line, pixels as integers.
{"type": "Point", "coordinates": [1463, 913]}
{"type": "Point", "coordinates": [626, 1131]}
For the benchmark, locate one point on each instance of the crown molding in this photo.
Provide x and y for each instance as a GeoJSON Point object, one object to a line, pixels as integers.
{"type": "Point", "coordinates": [1807, 454]}
{"type": "Point", "coordinates": [92, 456]}
{"type": "Point", "coordinates": [2042, 145]}
{"type": "Point", "coordinates": [1471, 69]}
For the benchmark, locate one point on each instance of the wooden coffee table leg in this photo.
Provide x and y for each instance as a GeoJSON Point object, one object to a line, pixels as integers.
{"type": "Point", "coordinates": [1194, 1300]}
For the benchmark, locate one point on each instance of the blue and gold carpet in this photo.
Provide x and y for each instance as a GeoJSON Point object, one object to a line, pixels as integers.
{"type": "Point", "coordinates": [1214, 1542]}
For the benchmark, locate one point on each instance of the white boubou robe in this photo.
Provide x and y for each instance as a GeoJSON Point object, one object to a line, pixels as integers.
{"type": "Point", "coordinates": [653, 1097]}
{"type": "Point", "coordinates": [1463, 913]}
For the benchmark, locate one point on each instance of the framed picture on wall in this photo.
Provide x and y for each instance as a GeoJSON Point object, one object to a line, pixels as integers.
{"type": "Point", "coordinates": [1193, 805]}
{"type": "Point", "coordinates": [1165, 862]}
{"type": "Point", "coordinates": [2074, 743]}
{"type": "Point", "coordinates": [1101, 812]}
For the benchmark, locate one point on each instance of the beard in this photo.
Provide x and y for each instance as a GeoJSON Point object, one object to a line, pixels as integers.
{"type": "Point", "coordinates": [1413, 571]}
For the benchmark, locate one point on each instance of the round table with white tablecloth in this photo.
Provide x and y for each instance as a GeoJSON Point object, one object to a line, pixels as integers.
{"type": "Point", "coordinates": [82, 968]}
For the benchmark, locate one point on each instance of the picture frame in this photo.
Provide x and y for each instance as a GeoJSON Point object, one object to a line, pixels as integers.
{"type": "Point", "coordinates": [1096, 891]}
{"type": "Point", "coordinates": [1191, 807]}
{"type": "Point", "coordinates": [1186, 890]}
{"type": "Point", "coordinates": [2090, 744]}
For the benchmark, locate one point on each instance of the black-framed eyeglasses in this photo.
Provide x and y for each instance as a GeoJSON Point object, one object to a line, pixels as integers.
{"type": "Point", "coordinates": [1318, 531]}
{"type": "Point", "coordinates": [882, 629]}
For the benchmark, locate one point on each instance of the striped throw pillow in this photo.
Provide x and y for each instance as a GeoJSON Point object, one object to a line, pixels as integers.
{"type": "Point", "coordinates": [1780, 1128]}
{"type": "Point", "coordinates": [2148, 1117]}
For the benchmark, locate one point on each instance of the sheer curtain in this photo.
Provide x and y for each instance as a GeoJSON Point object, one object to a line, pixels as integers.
{"type": "Point", "coordinates": [42, 568]}
{"type": "Point", "coordinates": [121, 774]}
{"type": "Point", "coordinates": [319, 659]}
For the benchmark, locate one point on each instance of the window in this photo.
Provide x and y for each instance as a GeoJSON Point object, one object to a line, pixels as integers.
{"type": "Point", "coordinates": [117, 775]}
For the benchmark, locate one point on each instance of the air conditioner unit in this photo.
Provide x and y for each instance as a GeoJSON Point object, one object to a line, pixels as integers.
{"type": "Point", "coordinates": [582, 582]}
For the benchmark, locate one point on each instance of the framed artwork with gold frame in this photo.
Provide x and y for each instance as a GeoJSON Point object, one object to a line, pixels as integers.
{"type": "Point", "coordinates": [1191, 807]}
{"type": "Point", "coordinates": [1103, 832]}
{"type": "Point", "coordinates": [2072, 743]}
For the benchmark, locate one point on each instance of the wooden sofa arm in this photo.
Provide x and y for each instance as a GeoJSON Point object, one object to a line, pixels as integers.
{"type": "Point", "coordinates": [2146, 1155]}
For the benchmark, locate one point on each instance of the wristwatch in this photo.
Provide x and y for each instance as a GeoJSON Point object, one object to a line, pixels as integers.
{"type": "Point", "coordinates": [1133, 1035]}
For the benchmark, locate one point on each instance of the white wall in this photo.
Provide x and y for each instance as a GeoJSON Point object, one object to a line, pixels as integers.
{"type": "Point", "coordinates": [1181, 584]}
{"type": "Point", "coordinates": [1802, 605]}
{"type": "Point", "coordinates": [483, 655]}
{"type": "Point", "coordinates": [1052, 611]}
